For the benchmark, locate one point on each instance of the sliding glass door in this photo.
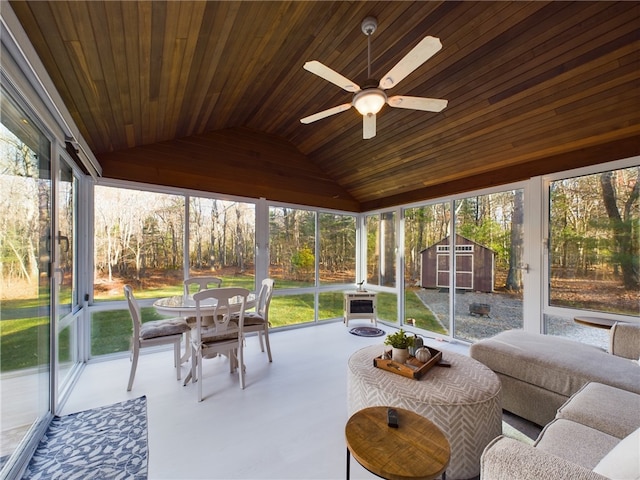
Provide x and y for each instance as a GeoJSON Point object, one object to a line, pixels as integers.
{"type": "Point", "coordinates": [26, 244]}
{"type": "Point", "coordinates": [469, 284]}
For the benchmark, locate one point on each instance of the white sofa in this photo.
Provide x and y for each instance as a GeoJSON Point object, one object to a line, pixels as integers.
{"type": "Point", "coordinates": [595, 435]}
{"type": "Point", "coordinates": [540, 372]}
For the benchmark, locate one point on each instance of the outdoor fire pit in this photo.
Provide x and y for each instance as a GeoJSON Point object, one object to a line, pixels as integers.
{"type": "Point", "coordinates": [480, 309]}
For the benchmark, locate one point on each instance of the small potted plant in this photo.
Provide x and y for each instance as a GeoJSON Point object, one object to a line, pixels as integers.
{"type": "Point", "coordinates": [400, 341]}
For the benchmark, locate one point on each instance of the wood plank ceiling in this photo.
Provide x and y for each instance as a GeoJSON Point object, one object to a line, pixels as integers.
{"type": "Point", "coordinates": [208, 95]}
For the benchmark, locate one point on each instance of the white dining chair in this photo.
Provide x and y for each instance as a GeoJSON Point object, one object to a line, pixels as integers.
{"type": "Point", "coordinates": [258, 320]}
{"type": "Point", "coordinates": [223, 336]}
{"type": "Point", "coordinates": [203, 283]}
{"type": "Point", "coordinates": [156, 332]}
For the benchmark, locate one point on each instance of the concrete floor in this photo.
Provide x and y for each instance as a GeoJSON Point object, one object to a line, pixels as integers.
{"type": "Point", "coordinates": [288, 423]}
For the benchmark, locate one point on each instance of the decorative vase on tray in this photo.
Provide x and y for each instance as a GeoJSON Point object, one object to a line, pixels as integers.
{"type": "Point", "coordinates": [399, 355]}
{"type": "Point", "coordinates": [400, 343]}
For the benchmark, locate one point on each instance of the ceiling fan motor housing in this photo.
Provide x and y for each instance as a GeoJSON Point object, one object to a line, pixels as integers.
{"type": "Point", "coordinates": [370, 83]}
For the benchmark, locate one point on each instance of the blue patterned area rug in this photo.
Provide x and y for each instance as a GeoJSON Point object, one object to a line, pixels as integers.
{"type": "Point", "coordinates": [102, 443]}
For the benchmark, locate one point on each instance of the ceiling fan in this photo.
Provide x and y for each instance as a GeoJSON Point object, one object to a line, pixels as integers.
{"type": "Point", "coordinates": [369, 99]}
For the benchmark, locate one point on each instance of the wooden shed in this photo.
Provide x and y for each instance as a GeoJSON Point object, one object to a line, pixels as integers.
{"type": "Point", "coordinates": [474, 265]}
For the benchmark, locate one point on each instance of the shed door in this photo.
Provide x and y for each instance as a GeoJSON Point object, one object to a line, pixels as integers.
{"type": "Point", "coordinates": [464, 271]}
{"type": "Point", "coordinates": [442, 270]}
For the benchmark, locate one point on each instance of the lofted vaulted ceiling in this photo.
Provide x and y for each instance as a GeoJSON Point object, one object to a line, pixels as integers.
{"type": "Point", "coordinates": [208, 95]}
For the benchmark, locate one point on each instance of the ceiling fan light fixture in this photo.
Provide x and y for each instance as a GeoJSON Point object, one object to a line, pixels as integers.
{"type": "Point", "coordinates": [369, 101]}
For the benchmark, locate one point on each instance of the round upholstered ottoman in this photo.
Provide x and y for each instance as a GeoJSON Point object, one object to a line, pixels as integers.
{"type": "Point", "coordinates": [463, 400]}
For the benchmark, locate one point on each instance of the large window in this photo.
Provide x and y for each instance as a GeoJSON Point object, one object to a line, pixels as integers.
{"type": "Point", "coordinates": [308, 249]}
{"type": "Point", "coordinates": [138, 239]}
{"type": "Point", "coordinates": [594, 242]}
{"type": "Point", "coordinates": [593, 251]}
{"type": "Point", "coordinates": [381, 249]}
{"type": "Point", "coordinates": [26, 244]}
{"type": "Point", "coordinates": [222, 239]}
{"type": "Point", "coordinates": [478, 270]}
{"type": "Point", "coordinates": [292, 245]}
{"type": "Point", "coordinates": [292, 264]}
{"type": "Point", "coordinates": [337, 263]}
{"type": "Point", "coordinates": [139, 236]}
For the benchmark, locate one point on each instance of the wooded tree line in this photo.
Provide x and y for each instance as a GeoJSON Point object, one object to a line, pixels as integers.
{"type": "Point", "coordinates": [292, 237]}
{"type": "Point", "coordinates": [594, 229]}
{"type": "Point", "coordinates": [595, 226]}
{"type": "Point", "coordinates": [337, 248]}
{"type": "Point", "coordinates": [24, 216]}
{"type": "Point", "coordinates": [222, 234]}
{"type": "Point", "coordinates": [136, 231]}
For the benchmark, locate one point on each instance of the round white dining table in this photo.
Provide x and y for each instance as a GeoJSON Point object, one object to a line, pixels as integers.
{"type": "Point", "coordinates": [185, 306]}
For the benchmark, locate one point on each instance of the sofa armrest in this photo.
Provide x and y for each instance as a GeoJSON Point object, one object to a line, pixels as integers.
{"type": "Point", "coordinates": [624, 340]}
{"type": "Point", "coordinates": [508, 459]}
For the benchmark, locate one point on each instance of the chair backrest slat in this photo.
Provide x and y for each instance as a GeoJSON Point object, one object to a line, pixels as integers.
{"type": "Point", "coordinates": [203, 283]}
{"type": "Point", "coordinates": [226, 303]}
{"type": "Point", "coordinates": [134, 310]}
{"type": "Point", "coordinates": [264, 298]}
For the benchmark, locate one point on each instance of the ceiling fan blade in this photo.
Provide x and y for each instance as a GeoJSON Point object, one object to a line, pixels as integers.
{"type": "Point", "coordinates": [422, 52]}
{"type": "Point", "coordinates": [368, 126]}
{"type": "Point", "coordinates": [331, 76]}
{"type": "Point", "coordinates": [417, 103]}
{"type": "Point", "coordinates": [326, 113]}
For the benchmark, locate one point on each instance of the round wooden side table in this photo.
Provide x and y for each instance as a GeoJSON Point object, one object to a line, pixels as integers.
{"type": "Point", "coordinates": [415, 450]}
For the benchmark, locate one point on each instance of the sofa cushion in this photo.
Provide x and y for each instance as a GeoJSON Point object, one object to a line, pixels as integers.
{"type": "Point", "coordinates": [556, 364]}
{"type": "Point", "coordinates": [508, 459]}
{"type": "Point", "coordinates": [623, 461]}
{"type": "Point", "coordinates": [575, 442]}
{"type": "Point", "coordinates": [618, 418]}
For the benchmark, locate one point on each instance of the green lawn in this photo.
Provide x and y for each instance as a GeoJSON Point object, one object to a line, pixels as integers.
{"type": "Point", "coordinates": [111, 330]}
{"type": "Point", "coordinates": [414, 308]}
{"type": "Point", "coordinates": [19, 343]}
